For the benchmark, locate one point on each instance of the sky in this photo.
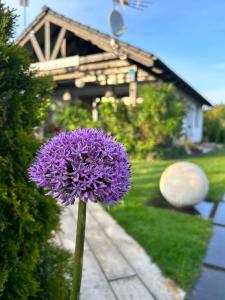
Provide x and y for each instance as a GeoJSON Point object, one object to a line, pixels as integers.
{"type": "Point", "coordinates": [187, 35]}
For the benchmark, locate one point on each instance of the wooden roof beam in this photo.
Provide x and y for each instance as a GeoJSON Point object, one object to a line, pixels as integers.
{"type": "Point", "coordinates": [47, 40]}
{"type": "Point", "coordinates": [80, 31]}
{"type": "Point", "coordinates": [36, 47]}
{"type": "Point", "coordinates": [58, 43]}
{"type": "Point", "coordinates": [63, 48]}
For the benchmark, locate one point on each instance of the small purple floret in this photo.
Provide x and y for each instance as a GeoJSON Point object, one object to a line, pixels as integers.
{"type": "Point", "coordinates": [83, 164]}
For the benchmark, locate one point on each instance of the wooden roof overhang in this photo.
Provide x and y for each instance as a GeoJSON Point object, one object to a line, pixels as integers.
{"type": "Point", "coordinates": [102, 64]}
{"type": "Point", "coordinates": [103, 68]}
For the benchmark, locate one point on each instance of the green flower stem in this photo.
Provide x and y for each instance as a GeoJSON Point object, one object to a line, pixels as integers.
{"type": "Point", "coordinates": [79, 250]}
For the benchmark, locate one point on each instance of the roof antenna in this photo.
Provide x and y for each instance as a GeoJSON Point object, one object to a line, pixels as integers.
{"type": "Point", "coordinates": [25, 4]}
{"type": "Point", "coordinates": [137, 4]}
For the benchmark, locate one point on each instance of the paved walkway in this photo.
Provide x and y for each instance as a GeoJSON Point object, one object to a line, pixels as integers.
{"type": "Point", "coordinates": [115, 266]}
{"type": "Point", "coordinates": [211, 283]}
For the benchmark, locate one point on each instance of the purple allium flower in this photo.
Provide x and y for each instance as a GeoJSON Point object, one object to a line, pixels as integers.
{"type": "Point", "coordinates": [83, 164]}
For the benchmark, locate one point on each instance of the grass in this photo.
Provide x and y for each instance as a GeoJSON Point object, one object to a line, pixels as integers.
{"type": "Point", "coordinates": [176, 242]}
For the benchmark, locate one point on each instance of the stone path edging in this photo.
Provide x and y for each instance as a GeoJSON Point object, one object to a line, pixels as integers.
{"type": "Point", "coordinates": [211, 282]}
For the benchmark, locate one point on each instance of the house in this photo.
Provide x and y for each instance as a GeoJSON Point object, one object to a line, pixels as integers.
{"type": "Point", "coordinates": [88, 64]}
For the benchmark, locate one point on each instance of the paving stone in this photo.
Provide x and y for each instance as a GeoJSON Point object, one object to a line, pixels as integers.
{"type": "Point", "coordinates": [90, 221]}
{"type": "Point", "coordinates": [161, 288]}
{"type": "Point", "coordinates": [210, 286]}
{"type": "Point", "coordinates": [94, 206]}
{"type": "Point", "coordinates": [68, 224]}
{"type": "Point", "coordinates": [216, 250]}
{"type": "Point", "coordinates": [220, 215]}
{"type": "Point", "coordinates": [204, 208]}
{"type": "Point", "coordinates": [130, 289]}
{"type": "Point", "coordinates": [94, 284]}
{"type": "Point", "coordinates": [110, 259]}
{"type": "Point", "coordinates": [113, 260]}
{"type": "Point", "coordinates": [58, 238]}
{"type": "Point", "coordinates": [103, 218]}
{"type": "Point", "coordinates": [67, 233]}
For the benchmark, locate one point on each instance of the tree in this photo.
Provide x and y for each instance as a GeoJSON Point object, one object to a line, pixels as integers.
{"type": "Point", "coordinates": [27, 217]}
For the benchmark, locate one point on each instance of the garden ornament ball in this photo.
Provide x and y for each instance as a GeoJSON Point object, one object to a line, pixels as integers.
{"type": "Point", "coordinates": [184, 184]}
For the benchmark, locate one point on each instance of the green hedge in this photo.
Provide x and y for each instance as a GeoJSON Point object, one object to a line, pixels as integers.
{"type": "Point", "coordinates": [27, 217]}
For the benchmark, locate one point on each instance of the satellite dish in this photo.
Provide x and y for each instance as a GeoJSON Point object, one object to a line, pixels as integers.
{"type": "Point", "coordinates": [116, 23]}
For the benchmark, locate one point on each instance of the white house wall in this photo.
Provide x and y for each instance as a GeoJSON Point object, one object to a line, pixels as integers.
{"type": "Point", "coordinates": [193, 121]}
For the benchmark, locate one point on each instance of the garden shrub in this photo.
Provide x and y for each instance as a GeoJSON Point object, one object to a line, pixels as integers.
{"type": "Point", "coordinates": [159, 118]}
{"type": "Point", "coordinates": [149, 126]}
{"type": "Point", "coordinates": [54, 273]}
{"type": "Point", "coordinates": [214, 124]}
{"type": "Point", "coordinates": [71, 116]}
{"type": "Point", "coordinates": [116, 119]}
{"type": "Point", "coordinates": [27, 217]}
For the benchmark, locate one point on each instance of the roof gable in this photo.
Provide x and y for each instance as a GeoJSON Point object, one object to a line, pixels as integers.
{"type": "Point", "coordinates": [48, 38]}
{"type": "Point", "coordinates": [49, 35]}
{"type": "Point", "coordinates": [95, 37]}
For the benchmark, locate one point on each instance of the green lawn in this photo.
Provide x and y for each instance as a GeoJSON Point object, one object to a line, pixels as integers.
{"type": "Point", "coordinates": [176, 242]}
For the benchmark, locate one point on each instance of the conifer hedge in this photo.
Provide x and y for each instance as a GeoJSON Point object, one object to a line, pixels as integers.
{"type": "Point", "coordinates": [27, 217]}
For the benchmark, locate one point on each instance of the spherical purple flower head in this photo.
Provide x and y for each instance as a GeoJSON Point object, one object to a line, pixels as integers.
{"type": "Point", "coordinates": [83, 164]}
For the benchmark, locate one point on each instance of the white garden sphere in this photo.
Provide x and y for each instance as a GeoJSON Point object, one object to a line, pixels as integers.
{"type": "Point", "coordinates": [184, 184]}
